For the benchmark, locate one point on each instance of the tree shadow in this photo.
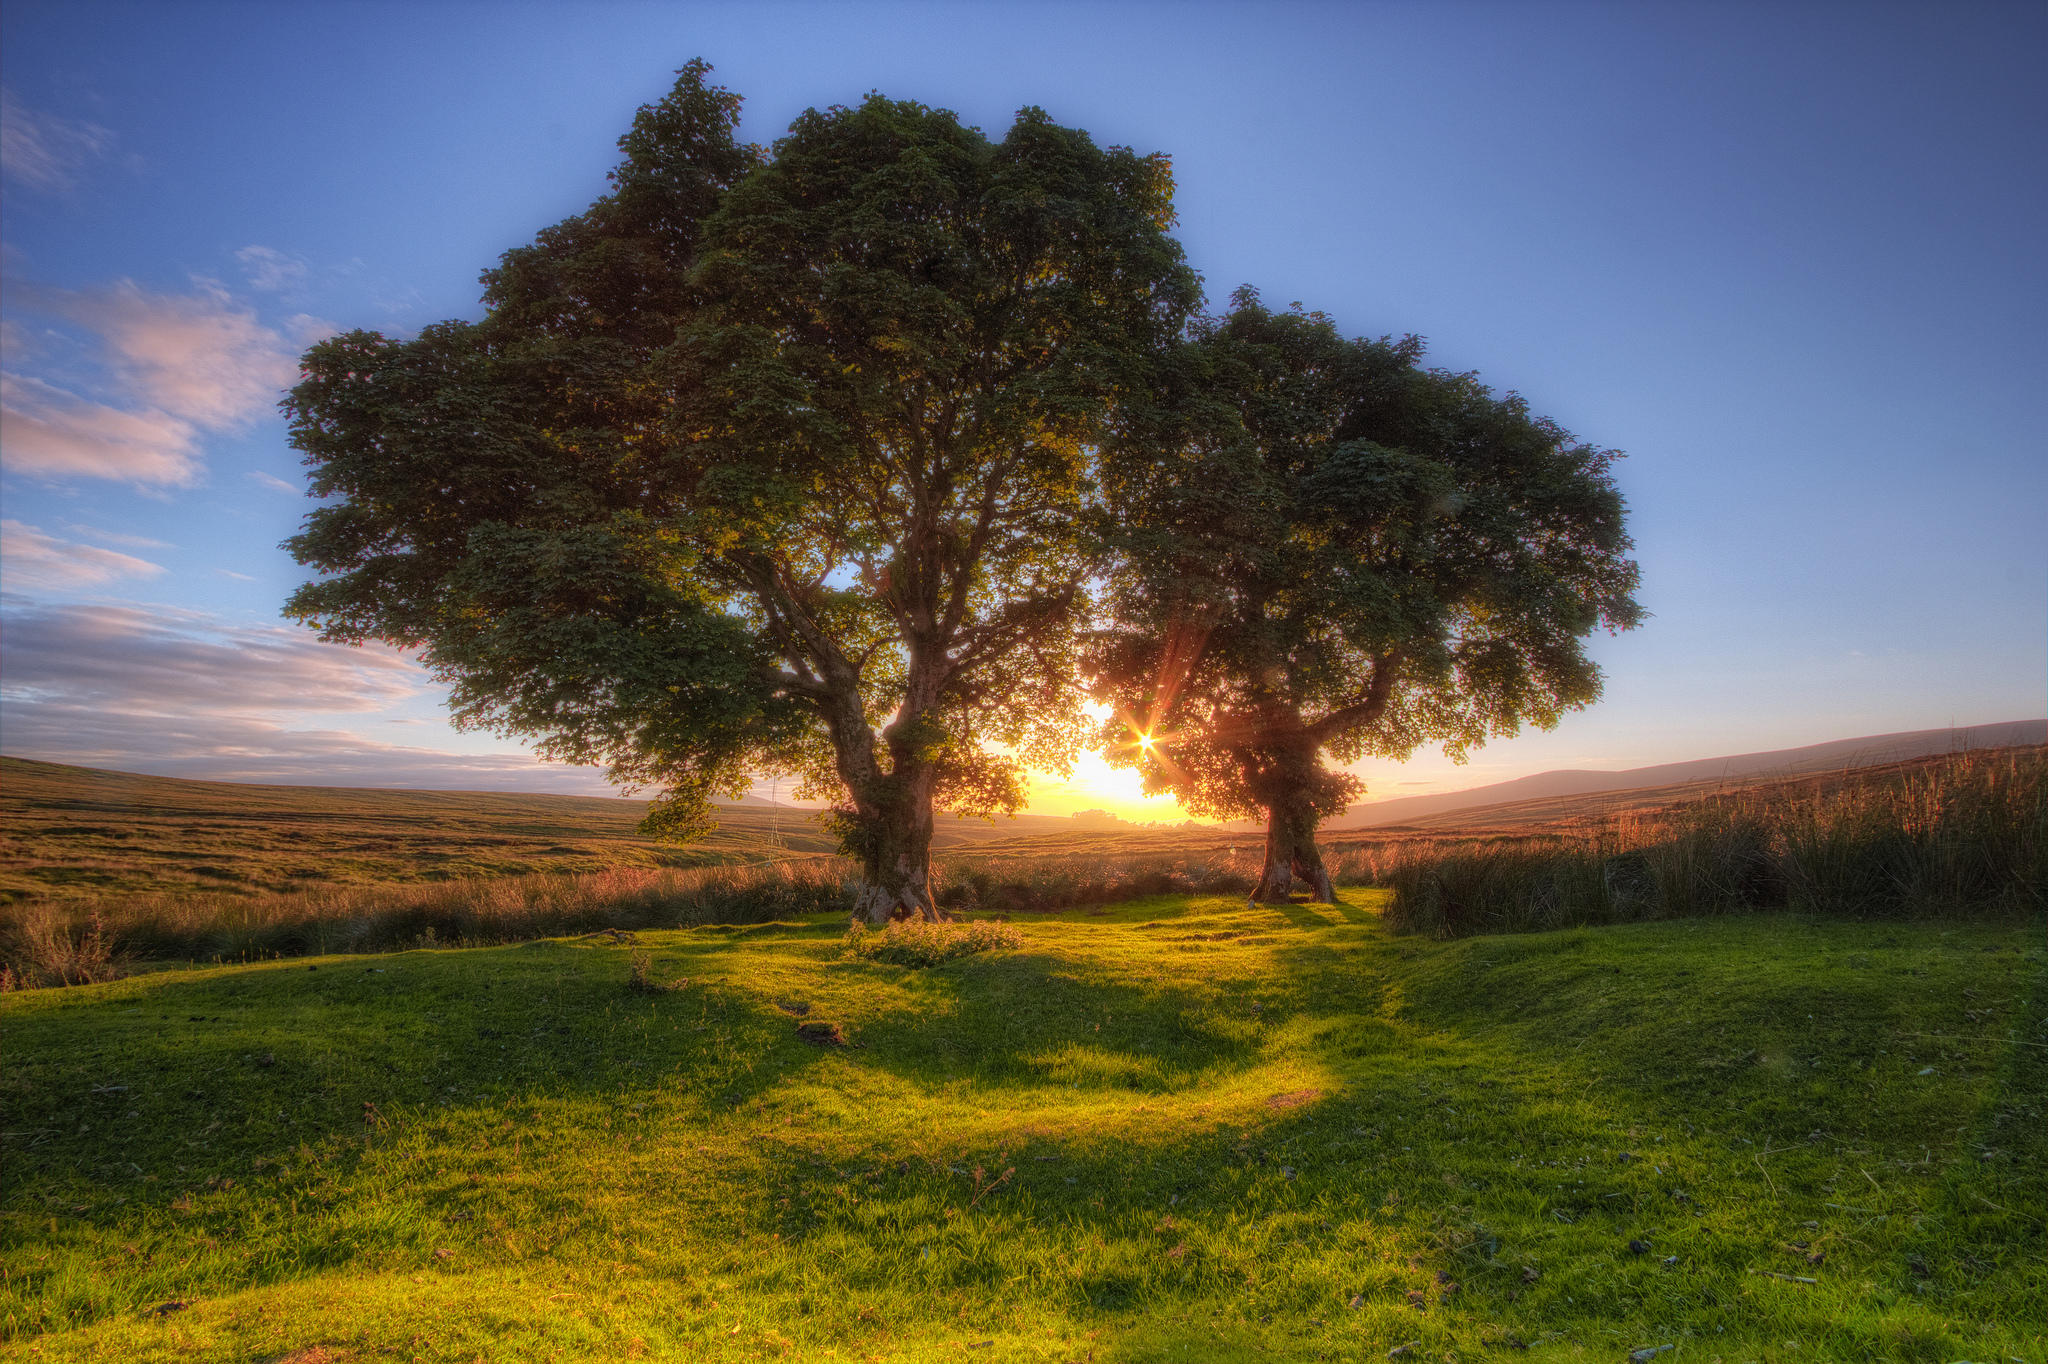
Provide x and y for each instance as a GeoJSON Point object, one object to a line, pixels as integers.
{"type": "Point", "coordinates": [1141, 1089]}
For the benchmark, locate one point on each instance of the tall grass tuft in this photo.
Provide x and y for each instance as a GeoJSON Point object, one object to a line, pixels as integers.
{"type": "Point", "coordinates": [916, 943]}
{"type": "Point", "coordinates": [1967, 834]}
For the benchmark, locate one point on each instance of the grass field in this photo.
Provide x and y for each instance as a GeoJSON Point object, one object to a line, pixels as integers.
{"type": "Point", "coordinates": [77, 835]}
{"type": "Point", "coordinates": [1183, 1129]}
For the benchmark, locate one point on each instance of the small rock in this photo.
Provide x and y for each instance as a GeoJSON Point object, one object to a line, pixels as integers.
{"type": "Point", "coordinates": [444, 1254]}
{"type": "Point", "coordinates": [164, 1309]}
{"type": "Point", "coordinates": [1399, 1350]}
{"type": "Point", "coordinates": [1529, 1274]}
{"type": "Point", "coordinates": [821, 1034]}
{"type": "Point", "coordinates": [1639, 1247]}
{"type": "Point", "coordinates": [1648, 1353]}
{"type": "Point", "coordinates": [1443, 1276]}
{"type": "Point", "coordinates": [266, 1059]}
{"type": "Point", "coordinates": [1670, 1261]}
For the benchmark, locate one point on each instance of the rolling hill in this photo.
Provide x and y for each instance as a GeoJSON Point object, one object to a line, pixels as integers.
{"type": "Point", "coordinates": [1564, 794]}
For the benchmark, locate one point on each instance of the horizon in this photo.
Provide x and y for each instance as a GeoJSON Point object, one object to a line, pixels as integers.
{"type": "Point", "coordinates": [1108, 816]}
{"type": "Point", "coordinates": [1779, 260]}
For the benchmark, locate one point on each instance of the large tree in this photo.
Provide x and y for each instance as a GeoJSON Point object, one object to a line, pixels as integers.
{"type": "Point", "coordinates": [769, 461]}
{"type": "Point", "coordinates": [1319, 550]}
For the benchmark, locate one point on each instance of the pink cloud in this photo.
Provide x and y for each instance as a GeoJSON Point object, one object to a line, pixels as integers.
{"type": "Point", "coordinates": [177, 366]}
{"type": "Point", "coordinates": [34, 559]}
{"type": "Point", "coordinates": [165, 662]}
{"type": "Point", "coordinates": [51, 433]}
{"type": "Point", "coordinates": [198, 356]}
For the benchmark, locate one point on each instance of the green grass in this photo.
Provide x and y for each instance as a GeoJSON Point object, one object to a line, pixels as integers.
{"type": "Point", "coordinates": [1184, 1129]}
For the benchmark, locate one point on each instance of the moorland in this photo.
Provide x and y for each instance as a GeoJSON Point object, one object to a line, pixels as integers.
{"type": "Point", "coordinates": [1758, 1076]}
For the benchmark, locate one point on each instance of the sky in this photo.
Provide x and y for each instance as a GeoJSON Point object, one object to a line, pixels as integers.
{"type": "Point", "coordinates": [1786, 257]}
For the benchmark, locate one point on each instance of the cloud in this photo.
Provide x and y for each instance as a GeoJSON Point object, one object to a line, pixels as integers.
{"type": "Point", "coordinates": [178, 366]}
{"type": "Point", "coordinates": [186, 694]}
{"type": "Point", "coordinates": [16, 344]}
{"type": "Point", "coordinates": [46, 431]}
{"type": "Point", "coordinates": [166, 662]}
{"type": "Point", "coordinates": [108, 537]}
{"type": "Point", "coordinates": [274, 483]}
{"type": "Point", "coordinates": [252, 749]}
{"type": "Point", "coordinates": [270, 270]}
{"type": "Point", "coordinates": [199, 357]}
{"type": "Point", "coordinates": [43, 151]}
{"type": "Point", "coordinates": [31, 558]}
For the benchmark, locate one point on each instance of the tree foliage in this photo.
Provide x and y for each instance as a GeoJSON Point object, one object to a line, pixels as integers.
{"type": "Point", "coordinates": [770, 461]}
{"type": "Point", "coordinates": [1319, 550]}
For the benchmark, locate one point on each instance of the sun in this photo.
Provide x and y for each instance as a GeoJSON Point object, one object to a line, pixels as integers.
{"type": "Point", "coordinates": [1145, 742]}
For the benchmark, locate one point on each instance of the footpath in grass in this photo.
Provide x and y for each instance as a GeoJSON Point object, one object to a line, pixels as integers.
{"type": "Point", "coordinates": [1182, 1130]}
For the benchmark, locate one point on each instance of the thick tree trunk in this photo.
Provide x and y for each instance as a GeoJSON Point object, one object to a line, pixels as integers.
{"type": "Point", "coordinates": [1291, 852]}
{"type": "Point", "coordinates": [895, 849]}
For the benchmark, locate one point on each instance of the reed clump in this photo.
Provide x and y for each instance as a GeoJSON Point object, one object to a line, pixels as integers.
{"type": "Point", "coordinates": [1964, 835]}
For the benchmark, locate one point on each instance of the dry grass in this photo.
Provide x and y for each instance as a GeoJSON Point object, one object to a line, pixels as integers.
{"type": "Point", "coordinates": [1961, 834]}
{"type": "Point", "coordinates": [1947, 835]}
{"type": "Point", "coordinates": [915, 943]}
{"type": "Point", "coordinates": [45, 945]}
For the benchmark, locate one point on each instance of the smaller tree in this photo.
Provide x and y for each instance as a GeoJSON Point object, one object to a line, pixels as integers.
{"type": "Point", "coordinates": [1318, 550]}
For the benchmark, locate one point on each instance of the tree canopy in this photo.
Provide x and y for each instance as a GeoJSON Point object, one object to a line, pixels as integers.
{"type": "Point", "coordinates": [772, 460]}
{"type": "Point", "coordinates": [1317, 550]}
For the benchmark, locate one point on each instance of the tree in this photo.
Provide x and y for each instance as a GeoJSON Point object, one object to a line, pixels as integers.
{"type": "Point", "coordinates": [769, 461]}
{"type": "Point", "coordinates": [1320, 550]}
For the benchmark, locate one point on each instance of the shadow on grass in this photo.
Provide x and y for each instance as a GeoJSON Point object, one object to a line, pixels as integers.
{"type": "Point", "coordinates": [1266, 1111]}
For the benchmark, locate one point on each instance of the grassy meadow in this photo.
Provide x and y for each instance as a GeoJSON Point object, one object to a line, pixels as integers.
{"type": "Point", "coordinates": [1962, 836]}
{"type": "Point", "coordinates": [1756, 1077]}
{"type": "Point", "coordinates": [1183, 1128]}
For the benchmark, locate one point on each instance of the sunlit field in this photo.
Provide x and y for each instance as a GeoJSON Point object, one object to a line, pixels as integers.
{"type": "Point", "coordinates": [1178, 1129]}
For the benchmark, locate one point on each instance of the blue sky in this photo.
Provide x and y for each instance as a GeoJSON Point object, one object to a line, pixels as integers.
{"type": "Point", "coordinates": [1786, 257]}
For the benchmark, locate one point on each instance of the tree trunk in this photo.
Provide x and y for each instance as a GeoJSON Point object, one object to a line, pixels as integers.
{"type": "Point", "coordinates": [1291, 853]}
{"type": "Point", "coordinates": [896, 863]}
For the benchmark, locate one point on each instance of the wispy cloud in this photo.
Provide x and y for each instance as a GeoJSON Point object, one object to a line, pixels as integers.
{"type": "Point", "coordinates": [49, 432]}
{"type": "Point", "coordinates": [43, 151]}
{"type": "Point", "coordinates": [253, 749]}
{"type": "Point", "coordinates": [177, 366]}
{"type": "Point", "coordinates": [270, 270]}
{"type": "Point", "coordinates": [160, 661]}
{"type": "Point", "coordinates": [274, 483]}
{"type": "Point", "coordinates": [199, 356]}
{"type": "Point", "coordinates": [32, 558]}
{"type": "Point", "coordinates": [111, 537]}
{"type": "Point", "coordinates": [183, 693]}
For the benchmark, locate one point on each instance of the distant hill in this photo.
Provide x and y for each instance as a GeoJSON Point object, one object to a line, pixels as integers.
{"type": "Point", "coordinates": [1552, 795]}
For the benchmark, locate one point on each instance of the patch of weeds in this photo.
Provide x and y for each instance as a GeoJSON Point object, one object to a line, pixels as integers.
{"type": "Point", "coordinates": [916, 942]}
{"type": "Point", "coordinates": [641, 980]}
